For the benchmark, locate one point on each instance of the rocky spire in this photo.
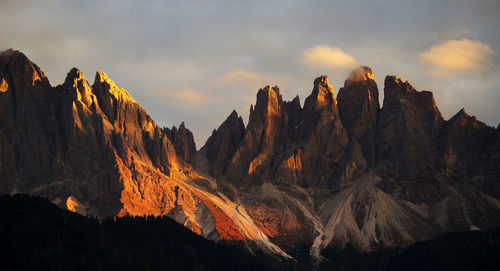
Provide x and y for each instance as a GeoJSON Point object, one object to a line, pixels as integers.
{"type": "Point", "coordinates": [464, 144]}
{"type": "Point", "coordinates": [183, 142]}
{"type": "Point", "coordinates": [20, 72]}
{"type": "Point", "coordinates": [266, 134]}
{"type": "Point", "coordinates": [359, 107]}
{"type": "Point", "coordinates": [318, 147]}
{"type": "Point", "coordinates": [322, 97]}
{"type": "Point", "coordinates": [294, 113]}
{"type": "Point", "coordinates": [82, 90]}
{"type": "Point", "coordinates": [222, 144]}
{"type": "Point", "coordinates": [408, 127]}
{"type": "Point", "coordinates": [109, 95]}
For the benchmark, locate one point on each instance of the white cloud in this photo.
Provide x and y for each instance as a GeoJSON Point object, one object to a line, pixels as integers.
{"type": "Point", "coordinates": [324, 56]}
{"type": "Point", "coordinates": [453, 57]}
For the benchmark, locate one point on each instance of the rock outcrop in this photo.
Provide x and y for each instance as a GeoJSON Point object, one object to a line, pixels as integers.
{"type": "Point", "coordinates": [359, 108]}
{"type": "Point", "coordinates": [222, 144]}
{"type": "Point", "coordinates": [266, 135]}
{"type": "Point", "coordinates": [183, 141]}
{"type": "Point", "coordinates": [464, 145]}
{"type": "Point", "coordinates": [408, 128]}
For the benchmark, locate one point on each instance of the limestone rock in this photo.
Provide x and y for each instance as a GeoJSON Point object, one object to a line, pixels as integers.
{"type": "Point", "coordinates": [265, 136]}
{"type": "Point", "coordinates": [408, 128]}
{"type": "Point", "coordinates": [464, 145]}
{"type": "Point", "coordinates": [222, 144]}
{"type": "Point", "coordinates": [359, 107]}
{"type": "Point", "coordinates": [183, 141]}
{"type": "Point", "coordinates": [323, 139]}
{"type": "Point", "coordinates": [294, 113]}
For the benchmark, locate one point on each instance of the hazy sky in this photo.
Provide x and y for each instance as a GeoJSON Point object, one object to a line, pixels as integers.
{"type": "Point", "coordinates": [198, 60]}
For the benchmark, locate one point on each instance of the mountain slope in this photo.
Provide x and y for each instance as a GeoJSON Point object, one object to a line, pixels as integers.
{"type": "Point", "coordinates": [128, 165]}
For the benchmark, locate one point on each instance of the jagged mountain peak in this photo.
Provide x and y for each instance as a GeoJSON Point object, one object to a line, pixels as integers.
{"type": "Point", "coordinates": [359, 107]}
{"type": "Point", "coordinates": [221, 145]}
{"type": "Point", "coordinates": [74, 74]}
{"type": "Point", "coordinates": [27, 74]}
{"type": "Point", "coordinates": [268, 96]}
{"type": "Point", "coordinates": [233, 114]}
{"type": "Point", "coordinates": [360, 74]}
{"type": "Point", "coordinates": [183, 141]}
{"type": "Point", "coordinates": [8, 52]}
{"type": "Point", "coordinates": [103, 83]}
{"type": "Point", "coordinates": [75, 80]}
{"type": "Point", "coordinates": [321, 97]}
{"type": "Point", "coordinates": [322, 86]}
{"type": "Point", "coordinates": [269, 103]}
{"type": "Point", "coordinates": [394, 85]}
{"type": "Point", "coordinates": [461, 118]}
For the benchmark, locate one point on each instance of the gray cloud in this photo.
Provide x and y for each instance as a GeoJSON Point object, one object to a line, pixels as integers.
{"type": "Point", "coordinates": [159, 50]}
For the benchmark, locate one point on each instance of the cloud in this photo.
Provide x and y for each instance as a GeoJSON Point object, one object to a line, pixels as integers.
{"type": "Point", "coordinates": [453, 57]}
{"type": "Point", "coordinates": [189, 97]}
{"type": "Point", "coordinates": [250, 81]}
{"type": "Point", "coordinates": [324, 56]}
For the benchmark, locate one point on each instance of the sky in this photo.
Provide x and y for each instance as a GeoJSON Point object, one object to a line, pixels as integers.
{"type": "Point", "coordinates": [197, 60]}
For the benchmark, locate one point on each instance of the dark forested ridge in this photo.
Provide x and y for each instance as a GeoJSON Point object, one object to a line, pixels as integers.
{"type": "Point", "coordinates": [36, 235]}
{"type": "Point", "coordinates": [473, 250]}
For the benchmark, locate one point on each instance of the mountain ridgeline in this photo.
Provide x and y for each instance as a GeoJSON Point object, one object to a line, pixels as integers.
{"type": "Point", "coordinates": [335, 171]}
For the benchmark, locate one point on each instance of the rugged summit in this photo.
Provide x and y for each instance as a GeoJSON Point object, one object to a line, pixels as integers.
{"type": "Point", "coordinates": [328, 173]}
{"type": "Point", "coordinates": [222, 144]}
{"type": "Point", "coordinates": [359, 108]}
{"type": "Point", "coordinates": [183, 141]}
{"type": "Point", "coordinates": [408, 128]}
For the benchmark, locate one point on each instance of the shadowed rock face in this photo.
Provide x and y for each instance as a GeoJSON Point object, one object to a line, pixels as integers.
{"type": "Point", "coordinates": [328, 173]}
{"type": "Point", "coordinates": [222, 144]}
{"type": "Point", "coordinates": [183, 141]}
{"type": "Point", "coordinates": [464, 145]}
{"type": "Point", "coordinates": [408, 128]}
{"type": "Point", "coordinates": [359, 107]}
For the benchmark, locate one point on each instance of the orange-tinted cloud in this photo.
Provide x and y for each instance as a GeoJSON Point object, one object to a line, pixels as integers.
{"type": "Point", "coordinates": [327, 57]}
{"type": "Point", "coordinates": [453, 57]}
{"type": "Point", "coordinates": [189, 97]}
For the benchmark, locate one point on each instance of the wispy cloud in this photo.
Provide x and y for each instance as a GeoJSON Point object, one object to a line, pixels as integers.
{"type": "Point", "coordinates": [189, 97]}
{"type": "Point", "coordinates": [453, 57]}
{"type": "Point", "coordinates": [327, 57]}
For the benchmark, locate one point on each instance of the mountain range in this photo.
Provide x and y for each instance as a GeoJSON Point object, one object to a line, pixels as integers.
{"type": "Point", "coordinates": [335, 171]}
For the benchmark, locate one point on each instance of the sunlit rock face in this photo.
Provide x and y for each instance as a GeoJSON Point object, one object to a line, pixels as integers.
{"type": "Point", "coordinates": [265, 136]}
{"type": "Point", "coordinates": [326, 174]}
{"type": "Point", "coordinates": [93, 150]}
